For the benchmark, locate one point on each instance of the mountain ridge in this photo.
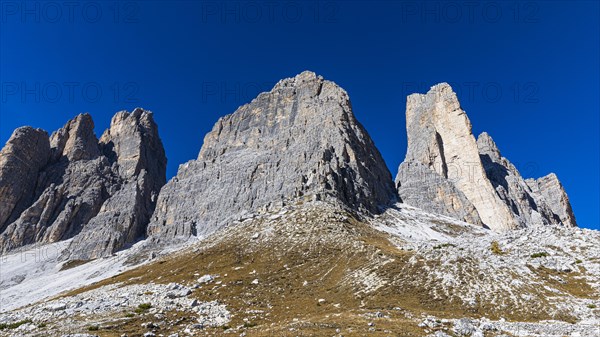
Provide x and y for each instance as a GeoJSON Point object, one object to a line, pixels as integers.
{"type": "Point", "coordinates": [299, 141]}
{"type": "Point", "coordinates": [75, 180]}
{"type": "Point", "coordinates": [288, 223]}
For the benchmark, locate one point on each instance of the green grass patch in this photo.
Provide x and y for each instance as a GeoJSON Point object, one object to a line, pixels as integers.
{"type": "Point", "coordinates": [142, 308]}
{"type": "Point", "coordinates": [444, 245]}
{"type": "Point", "coordinates": [540, 254]}
{"type": "Point", "coordinates": [495, 248]}
{"type": "Point", "coordinates": [14, 325]}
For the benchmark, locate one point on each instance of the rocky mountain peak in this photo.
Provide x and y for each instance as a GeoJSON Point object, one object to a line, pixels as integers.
{"type": "Point", "coordinates": [133, 142]}
{"type": "Point", "coordinates": [71, 185]}
{"type": "Point", "coordinates": [487, 146]}
{"type": "Point", "coordinates": [305, 79]}
{"type": "Point", "coordinates": [76, 140]}
{"type": "Point", "coordinates": [447, 171]}
{"type": "Point", "coordinates": [26, 152]}
{"type": "Point", "coordinates": [440, 138]}
{"type": "Point", "coordinates": [553, 192]}
{"type": "Point", "coordinates": [299, 141]}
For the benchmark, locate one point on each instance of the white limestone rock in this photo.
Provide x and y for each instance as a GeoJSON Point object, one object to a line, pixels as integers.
{"type": "Point", "coordinates": [446, 171]}
{"type": "Point", "coordinates": [440, 138]}
{"type": "Point", "coordinates": [300, 141]}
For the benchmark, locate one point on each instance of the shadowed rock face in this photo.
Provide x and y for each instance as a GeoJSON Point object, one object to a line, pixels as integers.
{"type": "Point", "coordinates": [99, 192]}
{"type": "Point", "coordinates": [133, 145]}
{"type": "Point", "coordinates": [25, 153]}
{"type": "Point", "coordinates": [553, 193]}
{"type": "Point", "coordinates": [448, 172]}
{"type": "Point", "coordinates": [422, 187]}
{"type": "Point", "coordinates": [300, 141]}
{"type": "Point", "coordinates": [538, 202]}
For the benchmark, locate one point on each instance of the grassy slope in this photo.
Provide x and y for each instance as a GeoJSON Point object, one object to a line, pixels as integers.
{"type": "Point", "coordinates": [301, 258]}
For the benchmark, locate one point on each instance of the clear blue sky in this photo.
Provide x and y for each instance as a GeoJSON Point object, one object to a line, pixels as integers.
{"type": "Point", "coordinates": [528, 73]}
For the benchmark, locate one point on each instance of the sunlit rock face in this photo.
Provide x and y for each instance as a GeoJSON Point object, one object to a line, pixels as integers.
{"type": "Point", "coordinates": [300, 141]}
{"type": "Point", "coordinates": [448, 171]}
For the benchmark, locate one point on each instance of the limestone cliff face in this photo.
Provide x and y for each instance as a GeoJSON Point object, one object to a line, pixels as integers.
{"type": "Point", "coordinates": [422, 187]}
{"type": "Point", "coordinates": [300, 141]}
{"type": "Point", "coordinates": [132, 141]}
{"type": "Point", "coordinates": [552, 191]}
{"type": "Point", "coordinates": [76, 140]}
{"type": "Point", "coordinates": [25, 153]}
{"type": "Point", "coordinates": [440, 138]}
{"type": "Point", "coordinates": [133, 146]}
{"type": "Point", "coordinates": [74, 182]}
{"type": "Point", "coordinates": [447, 171]}
{"type": "Point", "coordinates": [539, 202]}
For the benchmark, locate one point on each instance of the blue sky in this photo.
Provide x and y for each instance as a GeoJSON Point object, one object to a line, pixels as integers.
{"type": "Point", "coordinates": [528, 73]}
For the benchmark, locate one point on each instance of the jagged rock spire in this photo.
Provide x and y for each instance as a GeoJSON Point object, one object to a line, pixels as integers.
{"type": "Point", "coordinates": [133, 144]}
{"type": "Point", "coordinates": [449, 172]}
{"type": "Point", "coordinates": [76, 140]}
{"type": "Point", "coordinates": [440, 138]}
{"type": "Point", "coordinates": [555, 197]}
{"type": "Point", "coordinates": [72, 181]}
{"type": "Point", "coordinates": [528, 203]}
